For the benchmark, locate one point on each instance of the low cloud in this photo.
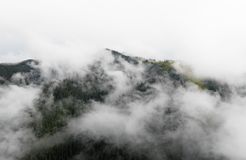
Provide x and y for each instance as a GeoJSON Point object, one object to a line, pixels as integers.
{"type": "Point", "coordinates": [202, 34]}
{"type": "Point", "coordinates": [15, 136]}
{"type": "Point", "coordinates": [67, 37]}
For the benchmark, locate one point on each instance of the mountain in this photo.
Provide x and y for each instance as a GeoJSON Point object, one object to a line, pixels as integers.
{"type": "Point", "coordinates": [121, 87]}
{"type": "Point", "coordinates": [23, 72]}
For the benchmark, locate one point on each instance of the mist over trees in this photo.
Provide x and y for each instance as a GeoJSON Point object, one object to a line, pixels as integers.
{"type": "Point", "coordinates": [118, 107]}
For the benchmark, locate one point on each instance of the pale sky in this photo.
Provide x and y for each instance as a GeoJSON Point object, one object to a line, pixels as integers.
{"type": "Point", "coordinates": [207, 34]}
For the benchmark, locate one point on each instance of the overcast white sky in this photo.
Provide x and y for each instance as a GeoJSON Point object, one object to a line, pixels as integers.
{"type": "Point", "coordinates": [208, 34]}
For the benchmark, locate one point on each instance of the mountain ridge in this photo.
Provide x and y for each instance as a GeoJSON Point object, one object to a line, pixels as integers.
{"type": "Point", "coordinates": [61, 103]}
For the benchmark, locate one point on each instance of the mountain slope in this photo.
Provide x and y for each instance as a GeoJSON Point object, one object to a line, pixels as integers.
{"type": "Point", "coordinates": [125, 109]}
{"type": "Point", "coordinates": [23, 72]}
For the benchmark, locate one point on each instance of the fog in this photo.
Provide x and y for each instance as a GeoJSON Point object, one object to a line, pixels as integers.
{"type": "Point", "coordinates": [67, 36]}
{"type": "Point", "coordinates": [199, 121]}
{"type": "Point", "coordinates": [14, 134]}
{"type": "Point", "coordinates": [208, 35]}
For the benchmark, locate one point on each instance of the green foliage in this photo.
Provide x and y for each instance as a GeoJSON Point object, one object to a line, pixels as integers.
{"type": "Point", "coordinates": [197, 82]}
{"type": "Point", "coordinates": [85, 148]}
{"type": "Point", "coordinates": [54, 117]}
{"type": "Point", "coordinates": [211, 85]}
{"type": "Point", "coordinates": [69, 98]}
{"type": "Point", "coordinates": [166, 65]}
{"type": "Point", "coordinates": [63, 151]}
{"type": "Point", "coordinates": [74, 88]}
{"type": "Point", "coordinates": [8, 70]}
{"type": "Point", "coordinates": [118, 55]}
{"type": "Point", "coordinates": [222, 88]}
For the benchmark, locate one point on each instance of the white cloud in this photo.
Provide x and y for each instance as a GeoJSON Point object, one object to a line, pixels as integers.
{"type": "Point", "coordinates": [209, 35]}
{"type": "Point", "coordinates": [14, 135]}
